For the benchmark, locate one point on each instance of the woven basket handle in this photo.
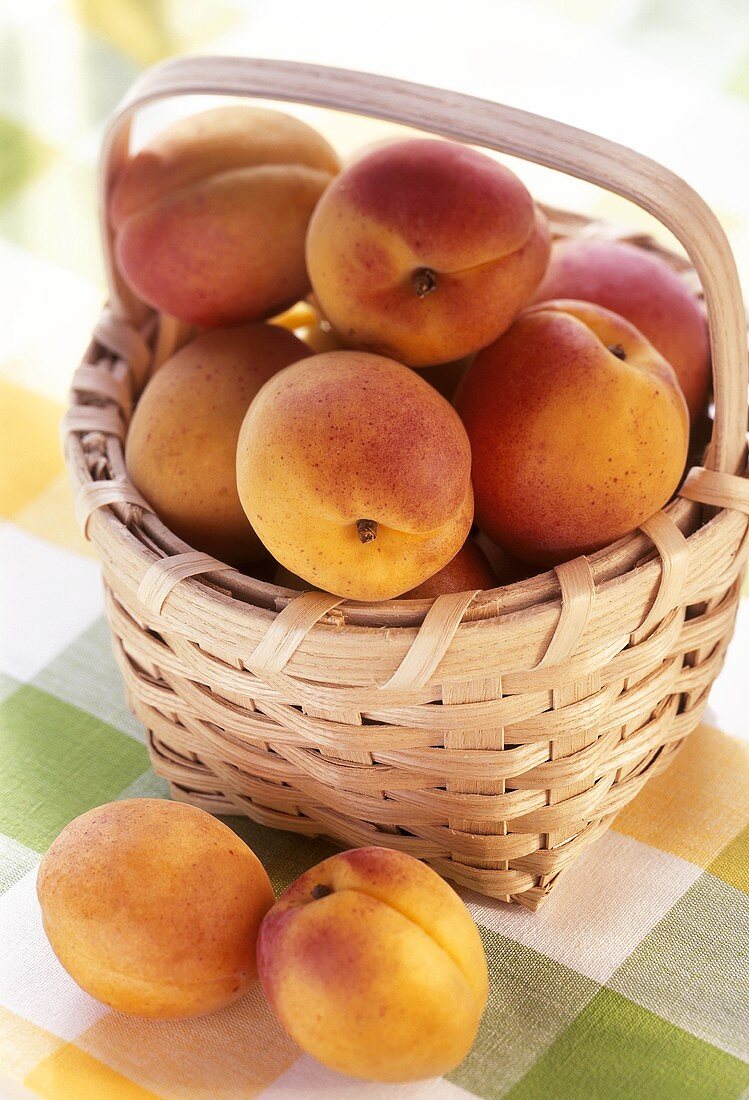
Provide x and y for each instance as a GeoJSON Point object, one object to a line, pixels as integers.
{"type": "Point", "coordinates": [507, 130]}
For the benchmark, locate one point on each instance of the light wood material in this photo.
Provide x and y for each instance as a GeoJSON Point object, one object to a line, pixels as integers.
{"type": "Point", "coordinates": [494, 734]}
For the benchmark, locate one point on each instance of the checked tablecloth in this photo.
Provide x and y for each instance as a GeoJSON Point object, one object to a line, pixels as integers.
{"type": "Point", "coordinates": [632, 982]}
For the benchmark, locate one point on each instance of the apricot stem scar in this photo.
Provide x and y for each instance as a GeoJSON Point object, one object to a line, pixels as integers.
{"type": "Point", "coordinates": [424, 281]}
{"type": "Point", "coordinates": [366, 529]}
{"type": "Point", "coordinates": [618, 351]}
{"type": "Point", "coordinates": [321, 891]}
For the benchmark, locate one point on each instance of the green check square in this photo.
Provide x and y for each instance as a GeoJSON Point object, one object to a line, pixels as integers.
{"type": "Point", "coordinates": [616, 1050]}
{"type": "Point", "coordinates": [69, 677]}
{"type": "Point", "coordinates": [285, 856]}
{"type": "Point", "coordinates": [23, 157]}
{"type": "Point", "coordinates": [55, 762]}
{"type": "Point", "coordinates": [147, 785]}
{"type": "Point", "coordinates": [532, 999]}
{"type": "Point", "coordinates": [732, 864]}
{"type": "Point", "coordinates": [693, 967]}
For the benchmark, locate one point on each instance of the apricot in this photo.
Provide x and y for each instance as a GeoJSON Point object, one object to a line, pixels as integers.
{"type": "Point", "coordinates": [373, 965]}
{"type": "Point", "coordinates": [578, 429]}
{"type": "Point", "coordinates": [153, 907]}
{"type": "Point", "coordinates": [468, 570]}
{"type": "Point", "coordinates": [355, 474]}
{"type": "Point", "coordinates": [642, 288]}
{"type": "Point", "coordinates": [209, 219]}
{"type": "Point", "coordinates": [425, 251]}
{"type": "Point", "coordinates": [182, 442]}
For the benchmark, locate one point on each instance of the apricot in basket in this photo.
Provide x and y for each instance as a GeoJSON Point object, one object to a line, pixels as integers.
{"type": "Point", "coordinates": [209, 219]}
{"type": "Point", "coordinates": [355, 474]}
{"type": "Point", "coordinates": [425, 251]}
{"type": "Point", "coordinates": [578, 429]}
{"type": "Point", "coordinates": [643, 289]}
{"type": "Point", "coordinates": [182, 442]}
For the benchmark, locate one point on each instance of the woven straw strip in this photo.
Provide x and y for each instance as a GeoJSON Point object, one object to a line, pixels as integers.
{"type": "Point", "coordinates": [91, 379]}
{"type": "Point", "coordinates": [716, 489]}
{"type": "Point", "coordinates": [289, 629]}
{"type": "Point", "coordinates": [122, 338]}
{"type": "Point", "coordinates": [99, 494]}
{"type": "Point", "coordinates": [90, 418]}
{"type": "Point", "coordinates": [431, 643]}
{"type": "Point", "coordinates": [208, 740]}
{"type": "Point", "coordinates": [674, 551]}
{"type": "Point", "coordinates": [161, 577]}
{"type": "Point", "coordinates": [578, 594]}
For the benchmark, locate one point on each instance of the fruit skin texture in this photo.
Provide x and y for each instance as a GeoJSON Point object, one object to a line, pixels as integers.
{"type": "Point", "coordinates": [572, 447]}
{"type": "Point", "coordinates": [348, 436]}
{"type": "Point", "coordinates": [153, 907]}
{"type": "Point", "coordinates": [209, 219]}
{"type": "Point", "coordinates": [384, 977]}
{"type": "Point", "coordinates": [182, 442]}
{"type": "Point", "coordinates": [415, 205]}
{"type": "Point", "coordinates": [642, 288]}
{"type": "Point", "coordinates": [469, 569]}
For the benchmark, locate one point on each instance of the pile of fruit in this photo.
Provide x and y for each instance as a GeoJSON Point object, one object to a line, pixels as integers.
{"type": "Point", "coordinates": [419, 274]}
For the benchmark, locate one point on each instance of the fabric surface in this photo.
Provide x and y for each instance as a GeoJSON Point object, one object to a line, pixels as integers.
{"type": "Point", "coordinates": [632, 981]}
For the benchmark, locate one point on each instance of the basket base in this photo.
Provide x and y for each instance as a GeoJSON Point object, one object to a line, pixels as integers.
{"type": "Point", "coordinates": [192, 782]}
{"type": "Point", "coordinates": [501, 807]}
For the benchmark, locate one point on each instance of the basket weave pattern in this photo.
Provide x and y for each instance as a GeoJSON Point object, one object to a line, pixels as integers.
{"type": "Point", "coordinates": [493, 734]}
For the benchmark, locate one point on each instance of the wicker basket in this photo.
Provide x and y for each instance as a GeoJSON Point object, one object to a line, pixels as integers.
{"type": "Point", "coordinates": [493, 734]}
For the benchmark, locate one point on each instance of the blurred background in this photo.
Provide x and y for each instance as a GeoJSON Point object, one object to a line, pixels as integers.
{"type": "Point", "coordinates": [668, 77]}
